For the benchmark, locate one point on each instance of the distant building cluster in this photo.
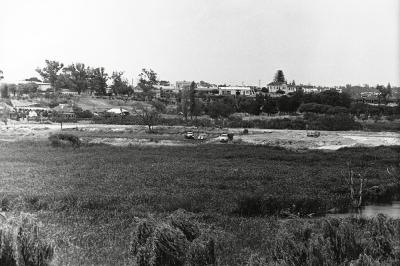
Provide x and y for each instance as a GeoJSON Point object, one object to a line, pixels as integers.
{"type": "Point", "coordinates": [165, 89]}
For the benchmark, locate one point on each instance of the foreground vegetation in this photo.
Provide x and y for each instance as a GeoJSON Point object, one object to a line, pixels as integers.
{"type": "Point", "coordinates": [91, 198]}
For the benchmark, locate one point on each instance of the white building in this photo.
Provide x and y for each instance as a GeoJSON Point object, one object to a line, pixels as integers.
{"type": "Point", "coordinates": [206, 90]}
{"type": "Point", "coordinates": [310, 89]}
{"type": "Point", "coordinates": [275, 87]}
{"type": "Point", "coordinates": [69, 92]}
{"type": "Point", "coordinates": [43, 86]}
{"type": "Point", "coordinates": [245, 91]}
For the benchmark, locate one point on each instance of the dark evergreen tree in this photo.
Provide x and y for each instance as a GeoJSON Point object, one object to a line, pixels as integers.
{"type": "Point", "coordinates": [279, 77]}
{"type": "Point", "coordinates": [192, 100]}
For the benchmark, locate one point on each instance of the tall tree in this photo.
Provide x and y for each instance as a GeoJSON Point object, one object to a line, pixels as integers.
{"type": "Point", "coordinates": [12, 88]}
{"type": "Point", "coordinates": [192, 99]}
{"type": "Point", "coordinates": [148, 115]}
{"type": "Point", "coordinates": [184, 102]}
{"type": "Point", "coordinates": [4, 91]}
{"type": "Point", "coordinates": [147, 81]}
{"type": "Point", "coordinates": [97, 81]}
{"type": "Point", "coordinates": [76, 77]}
{"type": "Point", "coordinates": [50, 72]}
{"type": "Point", "coordinates": [279, 77]}
{"type": "Point", "coordinates": [120, 86]}
{"type": "Point", "coordinates": [384, 93]}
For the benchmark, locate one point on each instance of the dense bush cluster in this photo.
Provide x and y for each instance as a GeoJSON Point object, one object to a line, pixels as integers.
{"type": "Point", "coordinates": [314, 121]}
{"type": "Point", "coordinates": [359, 109]}
{"type": "Point", "coordinates": [62, 140]}
{"type": "Point", "coordinates": [351, 241]}
{"type": "Point", "coordinates": [174, 242]}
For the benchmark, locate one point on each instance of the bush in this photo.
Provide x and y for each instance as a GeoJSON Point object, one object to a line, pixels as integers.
{"type": "Point", "coordinates": [21, 245]}
{"type": "Point", "coordinates": [62, 140]}
{"type": "Point", "coordinates": [177, 241]}
{"type": "Point", "coordinates": [314, 108]}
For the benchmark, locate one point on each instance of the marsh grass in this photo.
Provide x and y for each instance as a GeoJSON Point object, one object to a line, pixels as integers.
{"type": "Point", "coordinates": [335, 242]}
{"type": "Point", "coordinates": [90, 199]}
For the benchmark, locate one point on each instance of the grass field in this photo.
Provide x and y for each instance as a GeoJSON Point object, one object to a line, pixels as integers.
{"type": "Point", "coordinates": [89, 198]}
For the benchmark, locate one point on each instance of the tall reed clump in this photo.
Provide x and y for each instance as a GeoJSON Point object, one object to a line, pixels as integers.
{"type": "Point", "coordinates": [353, 241]}
{"type": "Point", "coordinates": [21, 245]}
{"type": "Point", "coordinates": [173, 242]}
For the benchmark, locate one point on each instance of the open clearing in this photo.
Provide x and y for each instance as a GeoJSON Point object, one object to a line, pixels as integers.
{"type": "Point", "coordinates": [122, 135]}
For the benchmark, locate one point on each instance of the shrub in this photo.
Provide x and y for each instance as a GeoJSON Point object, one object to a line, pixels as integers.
{"type": "Point", "coordinates": [176, 241]}
{"type": "Point", "coordinates": [245, 131]}
{"type": "Point", "coordinates": [21, 245]}
{"type": "Point", "coordinates": [314, 108]}
{"type": "Point", "coordinates": [61, 139]}
{"type": "Point", "coordinates": [179, 219]}
{"type": "Point", "coordinates": [169, 246]}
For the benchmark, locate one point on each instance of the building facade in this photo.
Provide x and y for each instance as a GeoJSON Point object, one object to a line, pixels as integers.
{"type": "Point", "coordinates": [235, 91]}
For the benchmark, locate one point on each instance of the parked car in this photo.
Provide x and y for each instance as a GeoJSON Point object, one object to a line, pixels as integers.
{"type": "Point", "coordinates": [223, 138]}
{"type": "Point", "coordinates": [202, 137]}
{"type": "Point", "coordinates": [189, 135]}
{"type": "Point", "coordinates": [314, 134]}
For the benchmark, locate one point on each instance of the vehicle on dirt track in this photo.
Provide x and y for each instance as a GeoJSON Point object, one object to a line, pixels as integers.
{"type": "Point", "coordinates": [314, 134]}
{"type": "Point", "coordinates": [223, 138]}
{"type": "Point", "coordinates": [202, 137]}
{"type": "Point", "coordinates": [189, 135]}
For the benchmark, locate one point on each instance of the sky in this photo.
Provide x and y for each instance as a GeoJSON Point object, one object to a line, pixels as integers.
{"type": "Point", "coordinates": [236, 42]}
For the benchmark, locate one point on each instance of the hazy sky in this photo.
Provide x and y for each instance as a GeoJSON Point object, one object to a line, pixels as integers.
{"type": "Point", "coordinates": [326, 42]}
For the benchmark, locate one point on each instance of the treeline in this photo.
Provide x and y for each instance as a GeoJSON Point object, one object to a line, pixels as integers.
{"type": "Point", "coordinates": [81, 78]}
{"type": "Point", "coordinates": [309, 121]}
{"type": "Point", "coordinates": [329, 102]}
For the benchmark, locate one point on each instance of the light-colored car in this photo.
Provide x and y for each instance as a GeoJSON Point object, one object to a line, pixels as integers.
{"type": "Point", "coordinates": [223, 138]}
{"type": "Point", "coordinates": [202, 137]}
{"type": "Point", "coordinates": [314, 134]}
